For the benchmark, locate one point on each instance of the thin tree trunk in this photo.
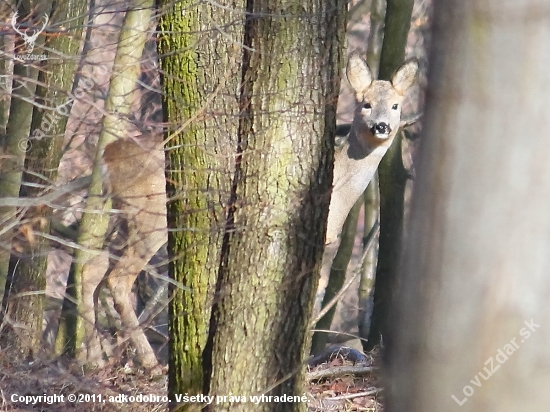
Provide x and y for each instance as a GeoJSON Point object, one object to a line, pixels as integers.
{"type": "Point", "coordinates": [337, 277]}
{"type": "Point", "coordinates": [6, 72]}
{"type": "Point", "coordinates": [371, 196]}
{"type": "Point", "coordinates": [88, 265]}
{"type": "Point", "coordinates": [392, 175]}
{"type": "Point", "coordinates": [17, 303]}
{"type": "Point", "coordinates": [368, 272]}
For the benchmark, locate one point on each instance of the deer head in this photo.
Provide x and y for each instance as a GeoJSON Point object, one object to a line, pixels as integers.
{"type": "Point", "coordinates": [378, 102]}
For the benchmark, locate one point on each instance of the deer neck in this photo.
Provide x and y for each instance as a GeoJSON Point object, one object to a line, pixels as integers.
{"type": "Point", "coordinates": [358, 159]}
{"type": "Point", "coordinates": [354, 166]}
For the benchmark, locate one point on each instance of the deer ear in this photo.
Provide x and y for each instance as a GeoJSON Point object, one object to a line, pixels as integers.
{"type": "Point", "coordinates": [405, 76]}
{"type": "Point", "coordinates": [358, 73]}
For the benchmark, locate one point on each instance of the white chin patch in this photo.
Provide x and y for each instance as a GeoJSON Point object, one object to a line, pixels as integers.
{"type": "Point", "coordinates": [382, 136]}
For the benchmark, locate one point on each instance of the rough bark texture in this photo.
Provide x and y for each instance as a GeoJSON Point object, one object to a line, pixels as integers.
{"type": "Point", "coordinates": [200, 54]}
{"type": "Point", "coordinates": [474, 293]}
{"type": "Point", "coordinates": [392, 175]}
{"type": "Point", "coordinates": [274, 243]}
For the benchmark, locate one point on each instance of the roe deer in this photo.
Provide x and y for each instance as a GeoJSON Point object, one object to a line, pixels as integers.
{"type": "Point", "coordinates": [375, 124]}
{"type": "Point", "coordinates": [138, 189]}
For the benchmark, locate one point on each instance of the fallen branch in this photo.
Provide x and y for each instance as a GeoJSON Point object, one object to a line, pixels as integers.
{"type": "Point", "coordinates": [370, 392]}
{"type": "Point", "coordinates": [339, 371]}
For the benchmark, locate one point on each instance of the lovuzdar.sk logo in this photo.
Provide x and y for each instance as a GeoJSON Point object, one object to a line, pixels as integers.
{"type": "Point", "coordinates": [29, 37]}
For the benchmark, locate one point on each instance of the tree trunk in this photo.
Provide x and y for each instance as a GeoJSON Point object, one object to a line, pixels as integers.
{"type": "Point", "coordinates": [371, 197]}
{"type": "Point", "coordinates": [475, 269]}
{"type": "Point", "coordinates": [28, 267]}
{"type": "Point", "coordinates": [88, 267]}
{"type": "Point", "coordinates": [15, 306]}
{"type": "Point", "coordinates": [5, 88]}
{"type": "Point", "coordinates": [392, 176]}
{"type": "Point", "coordinates": [201, 79]}
{"type": "Point", "coordinates": [368, 271]}
{"type": "Point", "coordinates": [279, 203]}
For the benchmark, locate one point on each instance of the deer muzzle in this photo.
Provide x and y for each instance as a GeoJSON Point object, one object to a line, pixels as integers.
{"type": "Point", "coordinates": [381, 130]}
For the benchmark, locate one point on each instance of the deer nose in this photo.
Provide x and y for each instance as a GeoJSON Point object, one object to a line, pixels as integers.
{"type": "Point", "coordinates": [381, 128]}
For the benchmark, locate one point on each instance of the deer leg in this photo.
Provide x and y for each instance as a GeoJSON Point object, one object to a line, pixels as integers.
{"type": "Point", "coordinates": [120, 282]}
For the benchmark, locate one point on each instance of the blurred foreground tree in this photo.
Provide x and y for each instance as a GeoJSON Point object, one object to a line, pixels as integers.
{"type": "Point", "coordinates": [474, 293]}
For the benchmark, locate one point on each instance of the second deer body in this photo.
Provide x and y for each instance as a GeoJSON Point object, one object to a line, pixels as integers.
{"type": "Point", "coordinates": [138, 187]}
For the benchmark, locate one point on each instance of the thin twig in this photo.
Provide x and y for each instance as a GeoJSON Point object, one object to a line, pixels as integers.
{"type": "Point", "coordinates": [76, 184]}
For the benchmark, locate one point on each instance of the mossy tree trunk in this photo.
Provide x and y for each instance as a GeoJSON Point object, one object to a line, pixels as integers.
{"type": "Point", "coordinates": [200, 59]}
{"type": "Point", "coordinates": [272, 250]}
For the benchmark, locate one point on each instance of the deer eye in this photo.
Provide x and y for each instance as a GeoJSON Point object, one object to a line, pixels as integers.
{"type": "Point", "coordinates": [367, 106]}
{"type": "Point", "coordinates": [395, 106]}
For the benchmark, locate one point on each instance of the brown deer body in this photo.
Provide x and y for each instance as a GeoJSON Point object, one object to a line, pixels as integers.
{"type": "Point", "coordinates": [138, 188]}
{"type": "Point", "coordinates": [375, 125]}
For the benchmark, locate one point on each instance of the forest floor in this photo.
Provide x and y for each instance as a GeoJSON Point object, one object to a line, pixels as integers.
{"type": "Point", "coordinates": [346, 386]}
{"type": "Point", "coordinates": [56, 386]}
